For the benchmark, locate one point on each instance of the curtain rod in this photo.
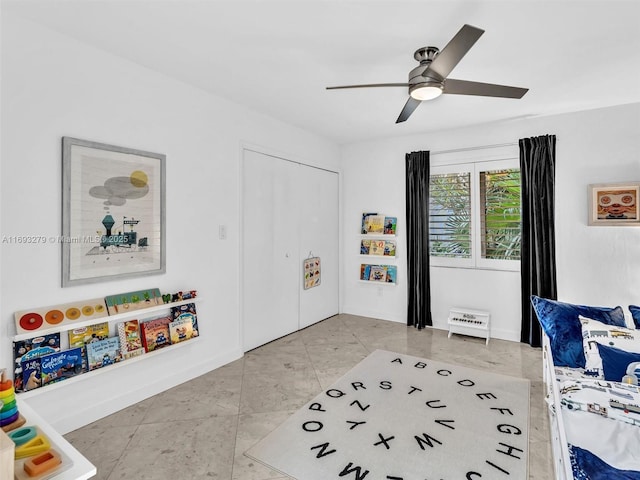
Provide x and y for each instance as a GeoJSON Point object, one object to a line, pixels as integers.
{"type": "Point", "coordinates": [466, 149]}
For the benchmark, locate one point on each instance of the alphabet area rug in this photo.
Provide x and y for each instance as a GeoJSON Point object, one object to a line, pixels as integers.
{"type": "Point", "coordinates": [398, 417]}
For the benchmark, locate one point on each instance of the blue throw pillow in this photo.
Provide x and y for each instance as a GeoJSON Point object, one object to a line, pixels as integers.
{"type": "Point", "coordinates": [561, 324]}
{"type": "Point", "coordinates": [586, 465]}
{"type": "Point", "coordinates": [615, 362]}
{"type": "Point", "coordinates": [635, 313]}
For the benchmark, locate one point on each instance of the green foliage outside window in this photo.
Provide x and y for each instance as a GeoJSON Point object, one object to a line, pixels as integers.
{"type": "Point", "coordinates": [450, 226]}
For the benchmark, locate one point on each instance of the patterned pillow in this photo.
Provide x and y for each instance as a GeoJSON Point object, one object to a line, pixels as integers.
{"type": "Point", "coordinates": [615, 362]}
{"type": "Point", "coordinates": [561, 324]}
{"type": "Point", "coordinates": [635, 313]}
{"type": "Point", "coordinates": [596, 333]}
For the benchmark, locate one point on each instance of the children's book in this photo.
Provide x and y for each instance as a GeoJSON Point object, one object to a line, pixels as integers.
{"type": "Point", "coordinates": [365, 271]}
{"type": "Point", "coordinates": [24, 350]}
{"type": "Point", "coordinates": [31, 373]}
{"type": "Point", "coordinates": [390, 248]}
{"type": "Point", "coordinates": [130, 339]}
{"type": "Point", "coordinates": [365, 222]}
{"type": "Point", "coordinates": [79, 337]}
{"type": "Point", "coordinates": [103, 352]}
{"type": "Point", "coordinates": [375, 224]}
{"type": "Point", "coordinates": [59, 366]}
{"type": "Point", "coordinates": [392, 274]}
{"type": "Point", "coordinates": [181, 330]}
{"type": "Point", "coordinates": [365, 246]}
{"type": "Point", "coordinates": [390, 225]}
{"type": "Point", "coordinates": [188, 311]}
{"type": "Point", "coordinates": [155, 333]}
{"type": "Point", "coordinates": [378, 273]}
{"type": "Point", "coordinates": [377, 247]}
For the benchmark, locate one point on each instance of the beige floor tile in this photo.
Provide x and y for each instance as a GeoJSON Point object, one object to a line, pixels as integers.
{"type": "Point", "coordinates": [251, 429]}
{"type": "Point", "coordinates": [203, 432]}
{"type": "Point", "coordinates": [180, 449]}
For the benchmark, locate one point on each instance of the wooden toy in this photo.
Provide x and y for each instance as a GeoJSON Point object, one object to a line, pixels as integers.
{"type": "Point", "coordinates": [10, 417]}
{"type": "Point", "coordinates": [42, 463]}
{"type": "Point", "coordinates": [38, 444]}
{"type": "Point", "coordinates": [23, 435]}
{"type": "Point", "coordinates": [46, 317]}
{"type": "Point", "coordinates": [131, 301]}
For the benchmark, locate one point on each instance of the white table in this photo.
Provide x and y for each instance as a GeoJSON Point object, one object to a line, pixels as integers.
{"type": "Point", "coordinates": [81, 469]}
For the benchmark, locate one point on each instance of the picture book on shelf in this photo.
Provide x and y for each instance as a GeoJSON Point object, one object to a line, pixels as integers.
{"type": "Point", "coordinates": [59, 366]}
{"type": "Point", "coordinates": [365, 246]}
{"type": "Point", "coordinates": [365, 271]}
{"type": "Point", "coordinates": [378, 273]}
{"type": "Point", "coordinates": [24, 350]}
{"type": "Point", "coordinates": [187, 311]}
{"type": "Point", "coordinates": [79, 337]}
{"type": "Point", "coordinates": [390, 225]}
{"type": "Point", "coordinates": [31, 372]}
{"type": "Point", "coordinates": [155, 333]}
{"type": "Point", "coordinates": [377, 247]}
{"type": "Point", "coordinates": [364, 228]}
{"type": "Point", "coordinates": [130, 339]}
{"type": "Point", "coordinates": [390, 248]}
{"type": "Point", "coordinates": [374, 224]}
{"type": "Point", "coordinates": [392, 273]}
{"type": "Point", "coordinates": [181, 330]}
{"type": "Point", "coordinates": [103, 352]}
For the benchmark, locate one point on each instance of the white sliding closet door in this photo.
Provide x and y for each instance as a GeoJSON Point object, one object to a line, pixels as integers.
{"type": "Point", "coordinates": [319, 236]}
{"type": "Point", "coordinates": [270, 257]}
{"type": "Point", "coordinates": [289, 211]}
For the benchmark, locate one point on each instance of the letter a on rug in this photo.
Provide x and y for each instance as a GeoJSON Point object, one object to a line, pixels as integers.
{"type": "Point", "coordinates": [398, 417]}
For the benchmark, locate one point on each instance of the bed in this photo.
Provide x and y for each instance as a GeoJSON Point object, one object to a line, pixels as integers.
{"type": "Point", "coordinates": [594, 419]}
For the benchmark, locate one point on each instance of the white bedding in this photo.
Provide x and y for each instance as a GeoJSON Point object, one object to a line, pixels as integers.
{"type": "Point", "coordinates": [589, 420]}
{"type": "Point", "coordinates": [593, 424]}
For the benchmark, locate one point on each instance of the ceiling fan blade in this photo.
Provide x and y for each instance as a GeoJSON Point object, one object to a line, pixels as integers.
{"type": "Point", "coordinates": [464, 87]}
{"type": "Point", "coordinates": [408, 109]}
{"type": "Point", "coordinates": [370, 85]}
{"type": "Point", "coordinates": [457, 48]}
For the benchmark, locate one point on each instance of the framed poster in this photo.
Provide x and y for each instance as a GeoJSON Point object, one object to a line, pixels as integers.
{"type": "Point", "coordinates": [113, 212]}
{"type": "Point", "coordinates": [614, 204]}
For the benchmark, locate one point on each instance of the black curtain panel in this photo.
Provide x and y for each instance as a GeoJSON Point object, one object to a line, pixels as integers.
{"type": "Point", "coordinates": [538, 256]}
{"type": "Point", "coordinates": [418, 277]}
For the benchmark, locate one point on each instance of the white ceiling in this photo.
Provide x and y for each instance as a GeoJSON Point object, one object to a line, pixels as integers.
{"type": "Point", "coordinates": [277, 57]}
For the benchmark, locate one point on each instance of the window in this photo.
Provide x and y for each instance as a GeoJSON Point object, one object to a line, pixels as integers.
{"type": "Point", "coordinates": [474, 215]}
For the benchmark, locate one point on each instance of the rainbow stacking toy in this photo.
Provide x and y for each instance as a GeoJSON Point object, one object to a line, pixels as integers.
{"type": "Point", "coordinates": [10, 417]}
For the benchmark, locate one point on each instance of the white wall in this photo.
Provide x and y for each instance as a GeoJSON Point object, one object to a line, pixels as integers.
{"type": "Point", "coordinates": [595, 265]}
{"type": "Point", "coordinates": [54, 86]}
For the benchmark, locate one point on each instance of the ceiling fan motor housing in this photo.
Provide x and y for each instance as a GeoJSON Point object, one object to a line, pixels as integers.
{"type": "Point", "coordinates": [417, 79]}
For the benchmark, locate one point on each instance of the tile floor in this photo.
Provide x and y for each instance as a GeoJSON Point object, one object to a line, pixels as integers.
{"type": "Point", "coordinates": [200, 429]}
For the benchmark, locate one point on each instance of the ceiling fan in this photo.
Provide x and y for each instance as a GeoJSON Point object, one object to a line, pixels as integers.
{"type": "Point", "coordinates": [429, 79]}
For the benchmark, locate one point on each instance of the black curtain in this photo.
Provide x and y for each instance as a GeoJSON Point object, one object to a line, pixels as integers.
{"type": "Point", "coordinates": [417, 192]}
{"type": "Point", "coordinates": [538, 269]}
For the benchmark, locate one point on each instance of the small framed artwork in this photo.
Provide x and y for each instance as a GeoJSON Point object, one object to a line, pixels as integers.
{"type": "Point", "coordinates": [311, 272]}
{"type": "Point", "coordinates": [113, 212]}
{"type": "Point", "coordinates": [614, 204]}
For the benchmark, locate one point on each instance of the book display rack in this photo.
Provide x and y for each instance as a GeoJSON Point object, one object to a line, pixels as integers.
{"type": "Point", "coordinates": [64, 343]}
{"type": "Point", "coordinates": [378, 244]}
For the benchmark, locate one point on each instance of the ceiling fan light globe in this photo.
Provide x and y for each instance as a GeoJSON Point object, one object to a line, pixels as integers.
{"type": "Point", "coordinates": [426, 92]}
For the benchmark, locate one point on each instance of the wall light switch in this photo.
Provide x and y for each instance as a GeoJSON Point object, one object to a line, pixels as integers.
{"type": "Point", "coordinates": [222, 232]}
